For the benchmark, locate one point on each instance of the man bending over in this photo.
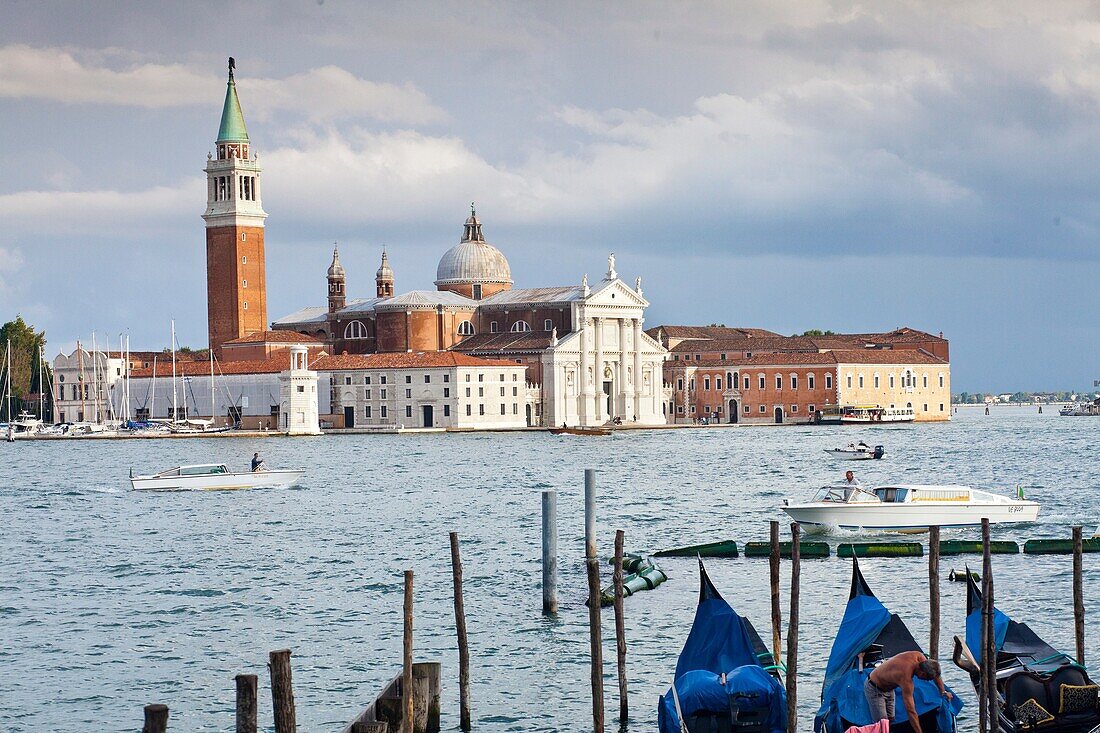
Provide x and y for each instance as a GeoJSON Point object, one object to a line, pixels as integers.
{"type": "Point", "coordinates": [899, 671]}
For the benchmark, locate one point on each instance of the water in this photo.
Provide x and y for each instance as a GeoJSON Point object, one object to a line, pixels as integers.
{"type": "Point", "coordinates": [111, 599]}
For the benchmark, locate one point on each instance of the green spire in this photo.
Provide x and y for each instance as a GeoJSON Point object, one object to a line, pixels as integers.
{"type": "Point", "coordinates": [232, 128]}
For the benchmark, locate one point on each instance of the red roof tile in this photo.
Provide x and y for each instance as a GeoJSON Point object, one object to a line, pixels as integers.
{"type": "Point", "coordinates": [404, 360]}
{"type": "Point", "coordinates": [200, 368]}
{"type": "Point", "coordinates": [274, 337]}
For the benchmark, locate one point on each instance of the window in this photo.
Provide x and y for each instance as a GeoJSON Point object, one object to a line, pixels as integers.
{"type": "Point", "coordinates": [301, 388]}
{"type": "Point", "coordinates": [926, 382]}
{"type": "Point", "coordinates": [520, 327]}
{"type": "Point", "coordinates": [926, 407]}
{"type": "Point", "coordinates": [502, 377]}
{"type": "Point", "coordinates": [446, 378]}
{"type": "Point", "coordinates": [746, 409]}
{"type": "Point", "coordinates": [941, 387]}
{"type": "Point", "coordinates": [427, 379]}
{"type": "Point", "coordinates": [244, 283]}
{"type": "Point", "coordinates": [548, 325]}
{"type": "Point", "coordinates": [680, 385]}
{"type": "Point", "coordinates": [763, 409]}
{"type": "Point", "coordinates": [941, 407]}
{"type": "Point", "coordinates": [718, 383]}
{"type": "Point", "coordinates": [810, 382]}
{"type": "Point", "coordinates": [676, 357]}
{"type": "Point", "coordinates": [408, 410]}
{"type": "Point", "coordinates": [244, 260]}
{"type": "Point", "coordinates": [723, 357]}
{"type": "Point", "coordinates": [408, 394]}
{"type": "Point", "coordinates": [849, 381]}
{"type": "Point", "coordinates": [481, 377]}
{"type": "Point", "coordinates": [794, 408]}
{"type": "Point", "coordinates": [245, 305]}
{"type": "Point", "coordinates": [477, 292]}
{"type": "Point", "coordinates": [481, 409]}
{"type": "Point", "coordinates": [828, 381]}
{"type": "Point", "coordinates": [794, 381]}
{"type": "Point", "coordinates": [366, 380]}
{"type": "Point", "coordinates": [706, 383]}
{"type": "Point", "coordinates": [811, 409]}
{"type": "Point", "coordinates": [731, 380]}
{"type": "Point", "coordinates": [515, 391]}
{"type": "Point", "coordinates": [891, 381]}
{"type": "Point", "coordinates": [408, 379]}
{"type": "Point", "coordinates": [467, 377]}
{"type": "Point", "coordinates": [502, 391]}
{"type": "Point", "coordinates": [469, 409]}
{"type": "Point", "coordinates": [762, 385]}
{"type": "Point", "coordinates": [383, 380]}
{"type": "Point", "coordinates": [347, 380]}
{"type": "Point", "coordinates": [691, 384]}
{"type": "Point", "coordinates": [384, 410]}
{"type": "Point", "coordinates": [698, 357]}
{"type": "Point", "coordinates": [355, 330]}
{"type": "Point", "coordinates": [446, 391]}
{"type": "Point", "coordinates": [366, 410]}
{"type": "Point", "coordinates": [680, 410]}
{"type": "Point", "coordinates": [515, 408]}
{"type": "Point", "coordinates": [746, 382]}
{"type": "Point", "coordinates": [515, 377]}
{"type": "Point", "coordinates": [446, 410]}
{"type": "Point", "coordinates": [465, 329]}
{"type": "Point", "coordinates": [368, 394]}
{"type": "Point", "coordinates": [861, 381]}
{"type": "Point", "coordinates": [480, 391]}
{"type": "Point", "coordinates": [502, 410]}
{"type": "Point", "coordinates": [876, 381]}
{"type": "Point", "coordinates": [693, 408]}
{"type": "Point", "coordinates": [779, 381]}
{"type": "Point", "coordinates": [493, 327]}
{"type": "Point", "coordinates": [467, 391]}
{"type": "Point", "coordinates": [382, 394]}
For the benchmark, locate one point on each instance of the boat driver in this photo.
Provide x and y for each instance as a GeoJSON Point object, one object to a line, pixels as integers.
{"type": "Point", "coordinates": [898, 672]}
{"type": "Point", "coordinates": [257, 462]}
{"type": "Point", "coordinates": [850, 484]}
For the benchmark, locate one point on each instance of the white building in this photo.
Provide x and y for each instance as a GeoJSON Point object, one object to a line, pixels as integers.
{"type": "Point", "coordinates": [439, 389]}
{"type": "Point", "coordinates": [298, 388]}
{"type": "Point", "coordinates": [90, 388]}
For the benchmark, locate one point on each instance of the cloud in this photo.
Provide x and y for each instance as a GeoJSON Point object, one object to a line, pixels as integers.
{"type": "Point", "coordinates": [325, 93]}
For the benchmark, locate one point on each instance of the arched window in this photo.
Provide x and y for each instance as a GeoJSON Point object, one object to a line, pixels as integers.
{"type": "Point", "coordinates": [465, 329]}
{"type": "Point", "coordinates": [706, 383]}
{"type": "Point", "coordinates": [520, 327]}
{"type": "Point", "coordinates": [355, 330]}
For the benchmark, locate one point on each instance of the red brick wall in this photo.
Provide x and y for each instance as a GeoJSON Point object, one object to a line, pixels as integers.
{"type": "Point", "coordinates": [226, 273]}
{"type": "Point", "coordinates": [467, 289]}
{"type": "Point", "coordinates": [708, 400]}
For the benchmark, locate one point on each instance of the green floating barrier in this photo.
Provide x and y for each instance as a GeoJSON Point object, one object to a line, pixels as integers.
{"type": "Point", "coordinates": [959, 576]}
{"type": "Point", "coordinates": [1059, 546]}
{"type": "Point", "coordinates": [880, 549]}
{"type": "Point", "coordinates": [647, 578]}
{"type": "Point", "coordinates": [968, 547]}
{"type": "Point", "coordinates": [724, 548]}
{"type": "Point", "coordinates": [805, 549]}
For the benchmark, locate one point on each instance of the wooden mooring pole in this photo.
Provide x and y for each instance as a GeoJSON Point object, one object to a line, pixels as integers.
{"type": "Point", "coordinates": [407, 709]}
{"type": "Point", "coordinates": [988, 696]}
{"type": "Point", "coordinates": [589, 512]}
{"type": "Point", "coordinates": [1078, 595]}
{"type": "Point", "coordinates": [592, 565]}
{"type": "Point", "coordinates": [156, 719]}
{"type": "Point", "coordinates": [934, 592]}
{"type": "Point", "coordinates": [246, 702]}
{"type": "Point", "coordinates": [463, 645]}
{"type": "Point", "coordinates": [620, 629]}
{"type": "Point", "coordinates": [777, 615]}
{"type": "Point", "coordinates": [792, 631]}
{"type": "Point", "coordinates": [282, 692]}
{"type": "Point", "coordinates": [549, 553]}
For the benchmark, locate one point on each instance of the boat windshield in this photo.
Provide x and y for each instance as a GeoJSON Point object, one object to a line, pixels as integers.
{"type": "Point", "coordinates": [891, 494]}
{"type": "Point", "coordinates": [844, 494]}
{"type": "Point", "coordinates": [202, 470]}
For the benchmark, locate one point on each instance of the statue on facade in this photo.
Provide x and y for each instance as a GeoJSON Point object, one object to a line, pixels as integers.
{"type": "Point", "coordinates": [611, 274]}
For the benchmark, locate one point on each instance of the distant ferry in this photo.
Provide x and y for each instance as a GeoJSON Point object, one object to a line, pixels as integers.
{"type": "Point", "coordinates": [860, 414]}
{"type": "Point", "coordinates": [1080, 409]}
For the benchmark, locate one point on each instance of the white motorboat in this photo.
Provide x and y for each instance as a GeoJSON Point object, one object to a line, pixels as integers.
{"type": "Point", "coordinates": [214, 477]}
{"type": "Point", "coordinates": [861, 452]}
{"type": "Point", "coordinates": [908, 508]}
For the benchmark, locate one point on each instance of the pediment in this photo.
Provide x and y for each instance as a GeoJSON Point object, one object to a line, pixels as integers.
{"type": "Point", "coordinates": [615, 293]}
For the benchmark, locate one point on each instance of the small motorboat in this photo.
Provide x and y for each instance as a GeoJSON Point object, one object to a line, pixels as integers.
{"type": "Point", "coordinates": [563, 430]}
{"type": "Point", "coordinates": [870, 634]}
{"type": "Point", "coordinates": [857, 452]}
{"type": "Point", "coordinates": [908, 507]}
{"type": "Point", "coordinates": [214, 477]}
{"type": "Point", "coordinates": [1040, 688]}
{"type": "Point", "coordinates": [726, 679]}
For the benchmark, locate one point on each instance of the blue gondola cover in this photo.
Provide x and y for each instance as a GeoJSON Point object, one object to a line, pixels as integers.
{"type": "Point", "coordinates": [720, 642]}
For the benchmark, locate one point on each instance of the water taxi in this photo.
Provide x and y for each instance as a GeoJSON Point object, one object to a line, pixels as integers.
{"type": "Point", "coordinates": [908, 508]}
{"type": "Point", "coordinates": [214, 477]}
{"type": "Point", "coordinates": [861, 452]}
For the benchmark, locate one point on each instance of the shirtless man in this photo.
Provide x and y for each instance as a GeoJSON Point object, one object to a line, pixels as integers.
{"type": "Point", "coordinates": [899, 671]}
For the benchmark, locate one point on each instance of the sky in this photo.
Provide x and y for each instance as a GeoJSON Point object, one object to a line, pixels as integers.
{"type": "Point", "coordinates": [781, 165]}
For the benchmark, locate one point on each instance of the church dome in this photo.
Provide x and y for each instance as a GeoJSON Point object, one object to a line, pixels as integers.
{"type": "Point", "coordinates": [473, 260]}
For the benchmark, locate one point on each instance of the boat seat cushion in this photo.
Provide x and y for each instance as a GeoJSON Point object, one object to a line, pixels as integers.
{"type": "Point", "coordinates": [1027, 697]}
{"type": "Point", "coordinates": [1077, 698]}
{"type": "Point", "coordinates": [1031, 713]}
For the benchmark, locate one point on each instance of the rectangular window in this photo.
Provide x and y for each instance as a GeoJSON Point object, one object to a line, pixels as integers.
{"type": "Point", "coordinates": [382, 394]}
{"type": "Point", "coordinates": [779, 381]}
{"type": "Point", "coordinates": [691, 384]}
{"type": "Point", "coordinates": [810, 381]}
{"type": "Point", "coordinates": [502, 411]}
{"type": "Point", "coordinates": [515, 377]}
{"type": "Point", "coordinates": [502, 377]}
{"type": "Point", "coordinates": [383, 379]}
{"type": "Point", "coordinates": [680, 385]}
{"type": "Point", "coordinates": [408, 379]}
{"type": "Point", "coordinates": [481, 409]}
{"type": "Point", "coordinates": [697, 358]}
{"type": "Point", "coordinates": [481, 377]}
{"type": "Point", "coordinates": [941, 407]}
{"type": "Point", "coordinates": [427, 379]}
{"type": "Point", "coordinates": [891, 381]}
{"type": "Point", "coordinates": [926, 381]}
{"type": "Point", "coordinates": [746, 409]}
{"type": "Point", "coordinates": [468, 410]}
{"type": "Point", "coordinates": [480, 391]}
{"type": "Point", "coordinates": [849, 381]}
{"type": "Point", "coordinates": [446, 410]}
{"type": "Point", "coordinates": [794, 381]}
{"type": "Point", "coordinates": [876, 381]}
{"type": "Point", "coordinates": [811, 409]}
{"type": "Point", "coordinates": [366, 380]}
{"type": "Point", "coordinates": [367, 410]}
{"type": "Point", "coordinates": [746, 382]}
{"type": "Point", "coordinates": [718, 383]}
{"type": "Point", "coordinates": [368, 394]}
{"type": "Point", "coordinates": [502, 391]}
{"type": "Point", "coordinates": [762, 385]}
{"type": "Point", "coordinates": [706, 383]}
{"type": "Point", "coordinates": [680, 410]}
{"type": "Point", "coordinates": [828, 381]}
{"type": "Point", "coordinates": [794, 408]}
{"type": "Point", "coordinates": [515, 391]}
{"type": "Point", "coordinates": [941, 384]}
{"type": "Point", "coordinates": [494, 327]}
{"type": "Point", "coordinates": [861, 381]}
{"type": "Point", "coordinates": [408, 411]}
{"type": "Point", "coordinates": [408, 394]}
{"type": "Point", "coordinates": [347, 380]}
{"type": "Point", "coordinates": [446, 391]}
{"type": "Point", "coordinates": [547, 325]}
{"type": "Point", "coordinates": [467, 391]}
{"type": "Point", "coordinates": [384, 410]}
{"type": "Point", "coordinates": [467, 377]}
{"type": "Point", "coordinates": [763, 409]}
{"type": "Point", "coordinates": [723, 357]}
{"type": "Point", "coordinates": [301, 388]}
{"type": "Point", "coordinates": [926, 407]}
{"type": "Point", "coordinates": [515, 408]}
{"type": "Point", "coordinates": [446, 377]}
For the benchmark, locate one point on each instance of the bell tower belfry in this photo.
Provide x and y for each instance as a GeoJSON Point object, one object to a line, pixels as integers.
{"type": "Point", "coordinates": [236, 286]}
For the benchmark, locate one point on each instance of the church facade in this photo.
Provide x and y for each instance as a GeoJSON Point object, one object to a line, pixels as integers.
{"type": "Point", "coordinates": [583, 347]}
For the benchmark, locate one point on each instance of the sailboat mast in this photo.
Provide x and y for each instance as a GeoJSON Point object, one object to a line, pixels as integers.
{"type": "Point", "coordinates": [95, 377]}
{"type": "Point", "coordinates": [41, 390]}
{"type": "Point", "coordinates": [153, 399]}
{"type": "Point", "coordinates": [7, 387]}
{"type": "Point", "coordinates": [174, 404]}
{"type": "Point", "coordinates": [211, 388]}
{"type": "Point", "coordinates": [83, 384]}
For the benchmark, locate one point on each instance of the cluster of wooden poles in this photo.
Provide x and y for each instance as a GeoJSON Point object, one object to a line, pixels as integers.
{"type": "Point", "coordinates": [282, 696]}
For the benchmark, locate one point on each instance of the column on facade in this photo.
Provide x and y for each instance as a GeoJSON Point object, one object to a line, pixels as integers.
{"type": "Point", "coordinates": [597, 373]}
{"type": "Point", "coordinates": [639, 384]}
{"type": "Point", "coordinates": [584, 409]}
{"type": "Point", "coordinates": [622, 397]}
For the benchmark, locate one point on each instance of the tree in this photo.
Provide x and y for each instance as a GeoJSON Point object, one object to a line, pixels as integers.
{"type": "Point", "coordinates": [816, 332]}
{"type": "Point", "coordinates": [26, 349]}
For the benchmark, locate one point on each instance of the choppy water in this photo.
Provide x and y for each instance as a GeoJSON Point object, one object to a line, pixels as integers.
{"type": "Point", "coordinates": [111, 599]}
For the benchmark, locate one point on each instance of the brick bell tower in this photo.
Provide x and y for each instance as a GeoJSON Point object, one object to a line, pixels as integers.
{"type": "Point", "coordinates": [236, 287]}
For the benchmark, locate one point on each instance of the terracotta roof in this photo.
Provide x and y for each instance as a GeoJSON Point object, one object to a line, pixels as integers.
{"type": "Point", "coordinates": [885, 356]}
{"type": "Point", "coordinates": [274, 337]}
{"type": "Point", "coordinates": [404, 360]}
{"type": "Point", "coordinates": [503, 342]}
{"type": "Point", "coordinates": [710, 332]}
{"type": "Point", "coordinates": [274, 365]}
{"type": "Point", "coordinates": [801, 358]}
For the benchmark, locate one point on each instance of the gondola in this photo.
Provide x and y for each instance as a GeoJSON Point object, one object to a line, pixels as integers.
{"type": "Point", "coordinates": [726, 679]}
{"type": "Point", "coordinates": [869, 634]}
{"type": "Point", "coordinates": [1040, 688]}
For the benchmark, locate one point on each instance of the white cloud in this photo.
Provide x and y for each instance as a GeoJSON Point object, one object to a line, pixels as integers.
{"type": "Point", "coordinates": [324, 93]}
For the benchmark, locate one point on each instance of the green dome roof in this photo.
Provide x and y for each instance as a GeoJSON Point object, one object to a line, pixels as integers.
{"type": "Point", "coordinates": [232, 128]}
